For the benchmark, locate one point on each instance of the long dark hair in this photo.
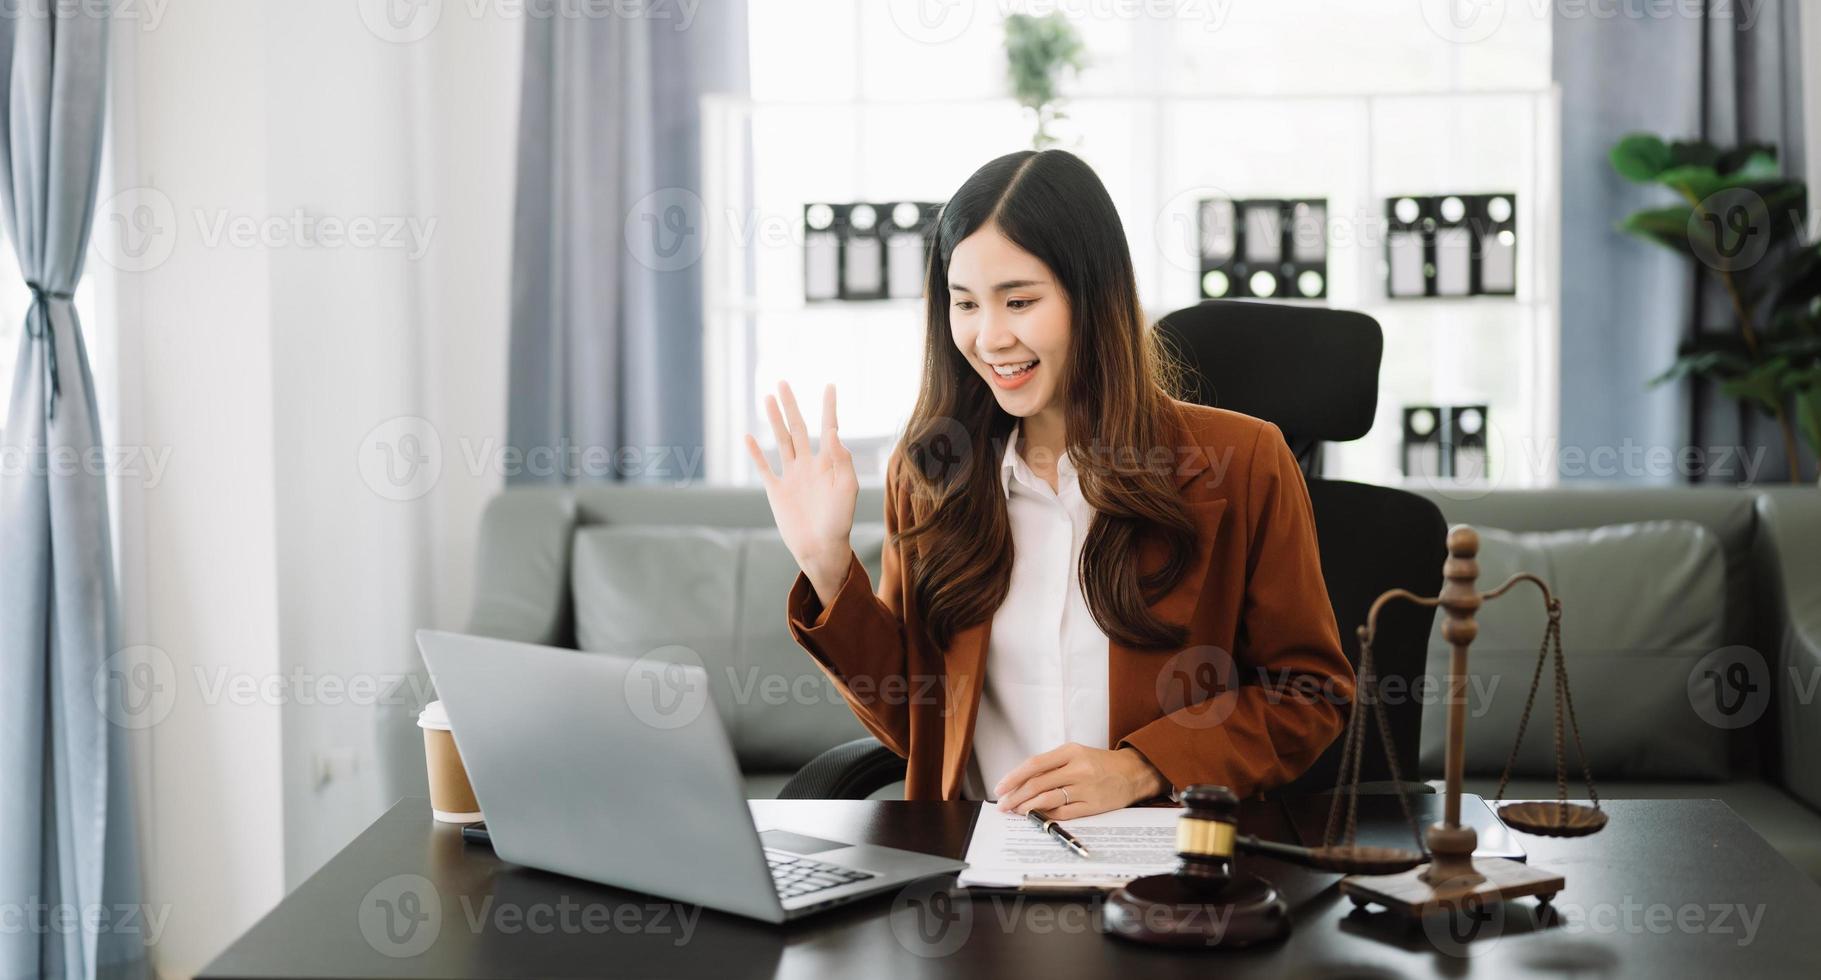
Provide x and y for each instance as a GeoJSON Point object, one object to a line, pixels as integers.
{"type": "Point", "coordinates": [1117, 385]}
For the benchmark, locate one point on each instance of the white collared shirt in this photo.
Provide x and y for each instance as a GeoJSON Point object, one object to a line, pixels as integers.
{"type": "Point", "coordinates": [1046, 657]}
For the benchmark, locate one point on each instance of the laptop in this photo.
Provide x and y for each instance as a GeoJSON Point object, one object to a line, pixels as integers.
{"type": "Point", "coordinates": [617, 769]}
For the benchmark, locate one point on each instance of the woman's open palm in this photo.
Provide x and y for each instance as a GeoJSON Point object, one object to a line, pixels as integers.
{"type": "Point", "coordinates": [813, 499]}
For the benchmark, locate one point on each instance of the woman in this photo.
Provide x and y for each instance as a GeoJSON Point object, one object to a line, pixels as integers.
{"type": "Point", "coordinates": [1092, 595]}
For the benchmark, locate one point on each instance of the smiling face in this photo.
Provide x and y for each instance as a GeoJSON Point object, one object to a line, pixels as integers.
{"type": "Point", "coordinates": [1010, 318]}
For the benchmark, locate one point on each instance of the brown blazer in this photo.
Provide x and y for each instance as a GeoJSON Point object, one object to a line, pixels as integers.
{"type": "Point", "coordinates": [1249, 702]}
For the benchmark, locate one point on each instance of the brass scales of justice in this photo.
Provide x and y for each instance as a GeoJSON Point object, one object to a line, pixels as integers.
{"type": "Point", "coordinates": [1209, 901]}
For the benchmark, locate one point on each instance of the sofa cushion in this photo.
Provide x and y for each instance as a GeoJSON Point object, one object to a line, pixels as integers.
{"type": "Point", "coordinates": [791, 711]}
{"type": "Point", "coordinates": [1642, 604]}
{"type": "Point", "coordinates": [715, 596]}
{"type": "Point", "coordinates": [1727, 513]}
{"type": "Point", "coordinates": [661, 592]}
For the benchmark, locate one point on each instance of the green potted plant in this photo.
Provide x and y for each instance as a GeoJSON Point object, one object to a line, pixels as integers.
{"type": "Point", "coordinates": [1038, 50]}
{"type": "Point", "coordinates": [1742, 220]}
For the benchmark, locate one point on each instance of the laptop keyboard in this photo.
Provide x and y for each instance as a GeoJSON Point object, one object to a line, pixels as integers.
{"type": "Point", "coordinates": [794, 875]}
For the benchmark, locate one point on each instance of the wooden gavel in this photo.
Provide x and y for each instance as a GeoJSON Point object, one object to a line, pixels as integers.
{"type": "Point", "coordinates": [1208, 836]}
{"type": "Point", "coordinates": [1205, 902]}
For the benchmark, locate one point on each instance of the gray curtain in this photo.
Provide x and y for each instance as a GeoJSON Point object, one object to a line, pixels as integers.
{"type": "Point", "coordinates": [1754, 95]}
{"type": "Point", "coordinates": [607, 317]}
{"type": "Point", "coordinates": [1628, 304]}
{"type": "Point", "coordinates": [66, 825]}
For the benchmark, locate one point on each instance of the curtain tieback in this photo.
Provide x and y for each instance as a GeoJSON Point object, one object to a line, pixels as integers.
{"type": "Point", "coordinates": [40, 328]}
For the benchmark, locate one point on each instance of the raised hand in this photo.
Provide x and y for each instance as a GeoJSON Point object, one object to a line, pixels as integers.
{"type": "Point", "coordinates": [813, 499]}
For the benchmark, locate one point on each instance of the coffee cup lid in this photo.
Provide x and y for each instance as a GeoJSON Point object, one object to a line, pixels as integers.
{"type": "Point", "coordinates": [433, 716]}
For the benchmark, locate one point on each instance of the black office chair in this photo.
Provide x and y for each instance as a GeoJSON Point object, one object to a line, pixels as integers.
{"type": "Point", "coordinates": [1314, 373]}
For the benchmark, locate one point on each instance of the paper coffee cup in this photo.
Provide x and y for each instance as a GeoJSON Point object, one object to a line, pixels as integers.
{"type": "Point", "coordinates": [451, 798]}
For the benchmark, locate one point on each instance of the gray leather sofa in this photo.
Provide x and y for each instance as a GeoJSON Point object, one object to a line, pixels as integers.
{"type": "Point", "coordinates": [698, 575]}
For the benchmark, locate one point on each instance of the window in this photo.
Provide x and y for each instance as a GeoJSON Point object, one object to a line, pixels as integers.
{"type": "Point", "coordinates": [1295, 99]}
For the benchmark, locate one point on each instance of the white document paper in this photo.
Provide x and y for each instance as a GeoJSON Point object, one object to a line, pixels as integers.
{"type": "Point", "coordinates": [1009, 851]}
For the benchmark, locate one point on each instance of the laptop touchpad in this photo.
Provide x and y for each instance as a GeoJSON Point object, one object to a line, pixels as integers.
{"type": "Point", "coordinates": [784, 840]}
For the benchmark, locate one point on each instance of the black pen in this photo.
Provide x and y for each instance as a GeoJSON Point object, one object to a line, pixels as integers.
{"type": "Point", "coordinates": [1057, 831]}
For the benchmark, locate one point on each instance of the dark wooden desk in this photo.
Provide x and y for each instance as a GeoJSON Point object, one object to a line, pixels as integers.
{"type": "Point", "coordinates": [1673, 888]}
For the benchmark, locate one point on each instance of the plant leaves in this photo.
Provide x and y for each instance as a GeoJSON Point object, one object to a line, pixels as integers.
{"type": "Point", "coordinates": [1801, 322]}
{"type": "Point", "coordinates": [1774, 209]}
{"type": "Point", "coordinates": [1808, 413]}
{"type": "Point", "coordinates": [1763, 385]}
{"type": "Point", "coordinates": [1719, 343]}
{"type": "Point", "coordinates": [1640, 157]}
{"type": "Point", "coordinates": [1666, 226]}
{"type": "Point", "coordinates": [1037, 50]}
{"type": "Point", "coordinates": [1748, 155]}
{"type": "Point", "coordinates": [1798, 350]}
{"type": "Point", "coordinates": [1786, 205]}
{"type": "Point", "coordinates": [1755, 206]}
{"type": "Point", "coordinates": [1700, 181]}
{"type": "Point", "coordinates": [1722, 364]}
{"type": "Point", "coordinates": [1692, 180]}
{"type": "Point", "coordinates": [1798, 280]}
{"type": "Point", "coordinates": [1683, 153]}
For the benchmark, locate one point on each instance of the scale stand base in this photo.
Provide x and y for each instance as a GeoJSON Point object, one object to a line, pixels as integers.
{"type": "Point", "coordinates": [1492, 880]}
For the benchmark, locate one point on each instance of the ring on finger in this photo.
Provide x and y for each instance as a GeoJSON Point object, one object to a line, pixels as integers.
{"type": "Point", "coordinates": [1065, 795]}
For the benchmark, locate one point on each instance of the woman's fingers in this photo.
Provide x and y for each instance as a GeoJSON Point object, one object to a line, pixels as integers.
{"type": "Point", "coordinates": [799, 432]}
{"type": "Point", "coordinates": [1026, 795]}
{"type": "Point", "coordinates": [785, 451]}
{"type": "Point", "coordinates": [758, 457]}
{"type": "Point", "coordinates": [792, 433]}
{"type": "Point", "coordinates": [1058, 810]}
{"type": "Point", "coordinates": [828, 412]}
{"type": "Point", "coordinates": [831, 431]}
{"type": "Point", "coordinates": [1041, 762]}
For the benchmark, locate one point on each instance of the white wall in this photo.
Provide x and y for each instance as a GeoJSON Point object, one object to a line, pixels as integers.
{"type": "Point", "coordinates": [263, 557]}
{"type": "Point", "coordinates": [364, 336]}
{"type": "Point", "coordinates": [199, 571]}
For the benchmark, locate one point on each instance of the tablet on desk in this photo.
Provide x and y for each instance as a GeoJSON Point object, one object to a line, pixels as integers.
{"type": "Point", "coordinates": [1381, 821]}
